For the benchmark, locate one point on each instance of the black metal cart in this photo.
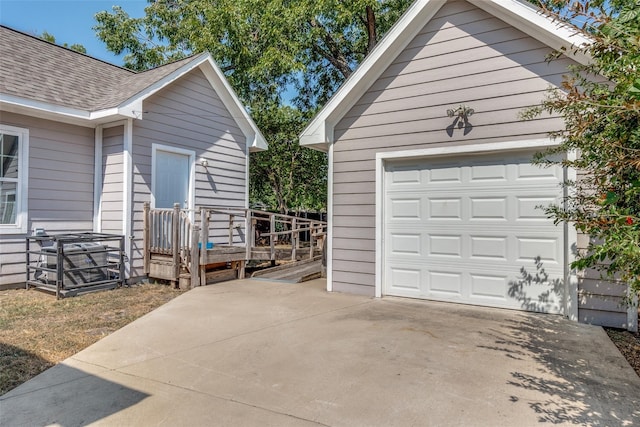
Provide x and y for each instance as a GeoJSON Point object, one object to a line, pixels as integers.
{"type": "Point", "coordinates": [74, 263]}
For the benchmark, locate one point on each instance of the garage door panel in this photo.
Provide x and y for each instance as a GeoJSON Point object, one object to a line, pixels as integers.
{"type": "Point", "coordinates": [406, 281]}
{"type": "Point", "coordinates": [445, 245]}
{"type": "Point", "coordinates": [447, 284]}
{"type": "Point", "coordinates": [488, 172]}
{"type": "Point", "coordinates": [405, 244]}
{"type": "Point", "coordinates": [470, 231]}
{"type": "Point", "coordinates": [487, 286]}
{"type": "Point", "coordinates": [529, 172]}
{"type": "Point", "coordinates": [445, 208]}
{"type": "Point", "coordinates": [406, 175]}
{"type": "Point", "coordinates": [404, 208]}
{"type": "Point", "coordinates": [494, 248]}
{"type": "Point", "coordinates": [448, 175]}
{"type": "Point", "coordinates": [488, 208]}
{"type": "Point", "coordinates": [527, 207]}
{"type": "Point", "coordinates": [531, 248]}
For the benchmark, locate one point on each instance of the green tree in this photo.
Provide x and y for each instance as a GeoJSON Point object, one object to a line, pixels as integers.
{"type": "Point", "coordinates": [600, 104]}
{"type": "Point", "coordinates": [264, 47]}
{"type": "Point", "coordinates": [51, 39]}
{"type": "Point", "coordinates": [287, 177]}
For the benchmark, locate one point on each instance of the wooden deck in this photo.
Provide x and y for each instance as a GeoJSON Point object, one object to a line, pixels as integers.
{"type": "Point", "coordinates": [174, 240]}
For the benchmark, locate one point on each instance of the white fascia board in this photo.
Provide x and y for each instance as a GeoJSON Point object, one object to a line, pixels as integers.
{"type": "Point", "coordinates": [533, 22]}
{"type": "Point", "coordinates": [254, 138]}
{"type": "Point", "coordinates": [59, 113]}
{"type": "Point", "coordinates": [30, 107]}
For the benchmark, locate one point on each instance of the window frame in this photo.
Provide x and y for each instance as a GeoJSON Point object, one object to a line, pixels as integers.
{"type": "Point", "coordinates": [22, 187]}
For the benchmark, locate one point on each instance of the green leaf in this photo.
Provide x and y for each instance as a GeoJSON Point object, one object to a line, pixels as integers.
{"type": "Point", "coordinates": [611, 198]}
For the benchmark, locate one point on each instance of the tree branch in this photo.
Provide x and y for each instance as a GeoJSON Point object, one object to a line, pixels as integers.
{"type": "Point", "coordinates": [333, 54]}
{"type": "Point", "coordinates": [371, 29]}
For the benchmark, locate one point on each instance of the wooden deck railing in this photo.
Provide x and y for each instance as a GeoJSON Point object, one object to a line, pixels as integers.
{"type": "Point", "coordinates": [264, 235]}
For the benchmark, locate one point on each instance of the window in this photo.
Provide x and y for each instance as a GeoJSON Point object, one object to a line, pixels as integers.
{"type": "Point", "coordinates": [13, 179]}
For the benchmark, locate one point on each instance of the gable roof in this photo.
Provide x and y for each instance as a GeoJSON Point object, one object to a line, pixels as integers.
{"type": "Point", "coordinates": [528, 19]}
{"type": "Point", "coordinates": [50, 81]}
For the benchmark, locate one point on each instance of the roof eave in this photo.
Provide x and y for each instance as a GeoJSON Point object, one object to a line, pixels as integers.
{"type": "Point", "coordinates": [59, 113]}
{"type": "Point", "coordinates": [528, 19]}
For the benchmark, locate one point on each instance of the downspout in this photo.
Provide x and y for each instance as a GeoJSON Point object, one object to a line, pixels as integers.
{"type": "Point", "coordinates": [127, 186]}
{"type": "Point", "coordinates": [97, 181]}
{"type": "Point", "coordinates": [247, 221]}
{"type": "Point", "coordinates": [329, 241]}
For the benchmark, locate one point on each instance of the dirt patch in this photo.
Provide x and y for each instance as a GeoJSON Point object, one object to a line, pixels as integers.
{"type": "Point", "coordinates": [629, 345]}
{"type": "Point", "coordinates": [37, 331]}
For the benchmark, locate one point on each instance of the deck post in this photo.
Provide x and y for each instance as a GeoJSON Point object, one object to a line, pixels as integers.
{"type": "Point", "coordinates": [175, 242]}
{"type": "Point", "coordinates": [250, 238]}
{"type": "Point", "coordinates": [195, 256]}
{"type": "Point", "coordinates": [231, 229]}
{"type": "Point", "coordinates": [145, 236]}
{"type": "Point", "coordinates": [312, 230]}
{"type": "Point", "coordinates": [295, 234]}
{"type": "Point", "coordinates": [204, 238]}
{"type": "Point", "coordinates": [272, 237]}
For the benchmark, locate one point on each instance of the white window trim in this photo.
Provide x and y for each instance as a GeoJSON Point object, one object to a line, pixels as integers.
{"type": "Point", "coordinates": [192, 168]}
{"type": "Point", "coordinates": [22, 196]}
{"type": "Point", "coordinates": [571, 288]}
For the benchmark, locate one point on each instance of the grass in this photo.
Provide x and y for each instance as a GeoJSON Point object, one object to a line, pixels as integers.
{"type": "Point", "coordinates": [37, 331]}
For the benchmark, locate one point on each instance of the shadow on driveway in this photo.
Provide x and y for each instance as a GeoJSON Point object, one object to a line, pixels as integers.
{"type": "Point", "coordinates": [589, 382]}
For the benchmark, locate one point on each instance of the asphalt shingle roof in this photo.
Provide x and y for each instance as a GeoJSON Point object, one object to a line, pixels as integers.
{"type": "Point", "coordinates": [35, 69]}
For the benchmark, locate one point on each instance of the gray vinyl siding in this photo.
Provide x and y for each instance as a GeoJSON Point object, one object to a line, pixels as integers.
{"type": "Point", "coordinates": [462, 56]}
{"type": "Point", "coordinates": [600, 302]}
{"type": "Point", "coordinates": [188, 114]}
{"type": "Point", "coordinates": [112, 179]}
{"type": "Point", "coordinates": [61, 158]}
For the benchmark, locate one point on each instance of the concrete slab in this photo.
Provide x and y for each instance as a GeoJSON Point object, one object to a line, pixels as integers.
{"type": "Point", "coordinates": [259, 353]}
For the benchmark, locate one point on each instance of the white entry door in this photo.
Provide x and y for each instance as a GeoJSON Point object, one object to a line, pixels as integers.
{"type": "Point", "coordinates": [172, 176]}
{"type": "Point", "coordinates": [467, 229]}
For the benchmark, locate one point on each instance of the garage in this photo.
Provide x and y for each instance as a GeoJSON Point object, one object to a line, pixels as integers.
{"type": "Point", "coordinates": [468, 229]}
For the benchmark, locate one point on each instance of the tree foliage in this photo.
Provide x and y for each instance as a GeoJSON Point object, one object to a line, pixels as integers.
{"type": "Point", "coordinates": [51, 39]}
{"type": "Point", "coordinates": [600, 104]}
{"type": "Point", "coordinates": [287, 177]}
{"type": "Point", "coordinates": [263, 46]}
{"type": "Point", "coordinates": [266, 48]}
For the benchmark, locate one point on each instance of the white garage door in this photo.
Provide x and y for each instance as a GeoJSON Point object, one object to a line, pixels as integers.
{"type": "Point", "coordinates": [466, 229]}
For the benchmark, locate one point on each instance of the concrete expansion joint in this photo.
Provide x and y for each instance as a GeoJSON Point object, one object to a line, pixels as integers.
{"type": "Point", "coordinates": [227, 399]}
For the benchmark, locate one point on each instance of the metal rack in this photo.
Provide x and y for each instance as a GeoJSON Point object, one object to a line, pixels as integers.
{"type": "Point", "coordinates": [70, 264]}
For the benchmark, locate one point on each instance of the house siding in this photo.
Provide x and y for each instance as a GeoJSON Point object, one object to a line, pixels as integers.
{"type": "Point", "coordinates": [112, 179]}
{"type": "Point", "coordinates": [188, 114]}
{"type": "Point", "coordinates": [61, 159]}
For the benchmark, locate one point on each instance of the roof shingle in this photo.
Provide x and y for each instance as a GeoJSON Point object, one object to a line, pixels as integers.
{"type": "Point", "coordinates": [40, 71]}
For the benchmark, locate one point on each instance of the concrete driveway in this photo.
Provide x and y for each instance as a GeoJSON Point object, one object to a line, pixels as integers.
{"type": "Point", "coordinates": [256, 353]}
